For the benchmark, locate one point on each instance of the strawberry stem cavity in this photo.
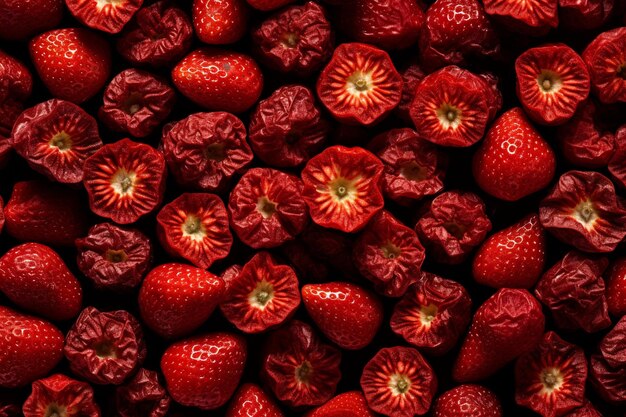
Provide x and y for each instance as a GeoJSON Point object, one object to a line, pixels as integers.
{"type": "Point", "coordinates": [62, 141]}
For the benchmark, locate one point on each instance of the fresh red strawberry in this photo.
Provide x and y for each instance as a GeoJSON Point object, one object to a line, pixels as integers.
{"type": "Point", "coordinates": [109, 16]}
{"type": "Point", "coordinates": [468, 401]}
{"type": "Point", "coordinates": [30, 348]}
{"type": "Point", "coordinates": [251, 401]}
{"type": "Point", "coordinates": [34, 277]}
{"type": "Point", "coordinates": [204, 371]}
{"type": "Point", "coordinates": [616, 289]}
{"type": "Point", "coordinates": [60, 395]}
{"type": "Point", "coordinates": [347, 314]}
{"type": "Point", "coordinates": [513, 257]}
{"type": "Point", "coordinates": [220, 22]}
{"type": "Point", "coordinates": [266, 5]}
{"type": "Point", "coordinates": [23, 18]}
{"type": "Point", "coordinates": [348, 404]}
{"type": "Point", "coordinates": [219, 79]}
{"type": "Point", "coordinates": [514, 160]}
{"type": "Point", "coordinates": [73, 63]}
{"type": "Point", "coordinates": [175, 299]}
{"type": "Point", "coordinates": [509, 324]}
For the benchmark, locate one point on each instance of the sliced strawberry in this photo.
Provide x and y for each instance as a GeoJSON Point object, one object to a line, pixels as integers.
{"type": "Point", "coordinates": [468, 401]}
{"type": "Point", "coordinates": [220, 22]}
{"type": "Point", "coordinates": [59, 395]}
{"type": "Point", "coordinates": [195, 227]}
{"type": "Point", "coordinates": [251, 401]}
{"type": "Point", "coordinates": [348, 404]}
{"type": "Point", "coordinates": [107, 16]}
{"type": "Point", "coordinates": [513, 257]}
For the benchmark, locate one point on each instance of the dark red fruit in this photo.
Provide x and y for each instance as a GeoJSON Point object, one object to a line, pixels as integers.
{"type": "Point", "coordinates": [142, 396]}
{"type": "Point", "coordinates": [411, 77]}
{"type": "Point", "coordinates": [1, 214]}
{"type": "Point", "coordinates": [576, 15]}
{"type": "Point", "coordinates": [252, 401]}
{"type": "Point", "coordinates": [262, 295]}
{"type": "Point", "coordinates": [617, 164]}
{"type": "Point", "coordinates": [608, 365]}
{"type": "Point", "coordinates": [348, 404]}
{"type": "Point", "coordinates": [108, 16]}
{"type": "Point", "coordinates": [266, 5]}
{"type": "Point", "coordinates": [219, 22]}
{"type": "Point", "coordinates": [195, 227]}
{"type": "Point", "coordinates": [105, 347]}
{"type": "Point", "coordinates": [26, 18]}
{"type": "Point", "coordinates": [359, 85]}
{"type": "Point", "coordinates": [125, 180]}
{"type": "Point", "coordinates": [616, 289]}
{"type": "Point", "coordinates": [56, 137]}
{"type": "Point", "coordinates": [16, 84]}
{"type": "Point", "coordinates": [453, 226]}
{"type": "Point", "coordinates": [205, 149]}
{"type": "Point", "coordinates": [587, 410]}
{"type": "Point", "coordinates": [398, 382]}
{"type": "Point", "coordinates": [62, 396]}
{"type": "Point", "coordinates": [532, 17]}
{"type": "Point", "coordinates": [468, 401]}
{"type": "Point", "coordinates": [432, 314]}
{"type": "Point", "coordinates": [605, 57]}
{"type": "Point", "coordinates": [298, 368]}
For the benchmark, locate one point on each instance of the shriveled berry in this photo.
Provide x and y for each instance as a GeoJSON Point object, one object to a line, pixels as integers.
{"type": "Point", "coordinates": [587, 410]}
{"type": "Point", "coordinates": [25, 18]}
{"type": "Point", "coordinates": [142, 396]}
{"type": "Point", "coordinates": [617, 164]}
{"type": "Point", "coordinates": [219, 22]}
{"type": "Point", "coordinates": [533, 17]}
{"type": "Point", "coordinates": [107, 16]}
{"type": "Point", "coordinates": [605, 57]}
{"type": "Point", "coordinates": [411, 77]}
{"type": "Point", "coordinates": [60, 395]}
{"type": "Point", "coordinates": [578, 15]}
{"type": "Point", "coordinates": [608, 365]}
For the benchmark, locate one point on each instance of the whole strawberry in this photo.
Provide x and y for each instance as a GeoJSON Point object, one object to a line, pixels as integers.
{"type": "Point", "coordinates": [468, 401]}
{"type": "Point", "coordinates": [252, 401]}
{"type": "Point", "coordinates": [348, 404]}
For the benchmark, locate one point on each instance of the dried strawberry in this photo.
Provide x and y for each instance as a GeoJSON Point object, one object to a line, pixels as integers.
{"type": "Point", "coordinates": [359, 85]}
{"type": "Point", "coordinates": [608, 366]}
{"type": "Point", "coordinates": [616, 289]}
{"type": "Point", "coordinates": [330, 247]}
{"type": "Point", "coordinates": [44, 212]}
{"type": "Point", "coordinates": [587, 410]}
{"type": "Point", "coordinates": [175, 299]}
{"type": "Point", "coordinates": [195, 227]}
{"type": "Point", "coordinates": [142, 396]}
{"type": "Point", "coordinates": [136, 102]}
{"type": "Point", "coordinates": [262, 295]}
{"type": "Point", "coordinates": [56, 137]}
{"type": "Point", "coordinates": [205, 149]}
{"type": "Point", "coordinates": [513, 161]}
{"type": "Point", "coordinates": [550, 380]}
{"type": "Point", "coordinates": [298, 368]}
{"type": "Point", "coordinates": [73, 63]}
{"type": "Point", "coordinates": [453, 106]}
{"type": "Point", "coordinates": [432, 314]}
{"type": "Point", "coordinates": [453, 226]}
{"type": "Point", "coordinates": [158, 35]}
{"type": "Point", "coordinates": [455, 30]}
{"type": "Point", "coordinates": [26, 18]}
{"type": "Point", "coordinates": [398, 382]}
{"type": "Point", "coordinates": [573, 290]}
{"type": "Point", "coordinates": [229, 276]}
{"type": "Point", "coordinates": [341, 187]}
{"type": "Point", "coordinates": [411, 77]}
{"type": "Point", "coordinates": [532, 17]}
{"type": "Point", "coordinates": [605, 57]}
{"type": "Point", "coordinates": [109, 16]}
{"type": "Point", "coordinates": [298, 40]}
{"type": "Point", "coordinates": [125, 180]}
{"type": "Point", "coordinates": [252, 401]}
{"type": "Point", "coordinates": [389, 254]}
{"type": "Point", "coordinates": [584, 142]}
{"type": "Point", "coordinates": [219, 79]}
{"type": "Point", "coordinates": [105, 347]}
{"type": "Point", "coordinates": [584, 211]}
{"type": "Point", "coordinates": [62, 396]}
{"type": "Point", "coordinates": [513, 257]}
{"type": "Point", "coordinates": [219, 22]}
{"type": "Point", "coordinates": [266, 208]}
{"type": "Point", "coordinates": [577, 15]}
{"type": "Point", "coordinates": [307, 267]}
{"type": "Point", "coordinates": [387, 24]}
{"type": "Point", "coordinates": [468, 401]}
{"type": "Point", "coordinates": [114, 258]}
{"type": "Point", "coordinates": [16, 84]}
{"type": "Point", "coordinates": [348, 404]}
{"type": "Point", "coordinates": [617, 164]}
{"type": "Point", "coordinates": [287, 129]}
{"type": "Point", "coordinates": [414, 168]}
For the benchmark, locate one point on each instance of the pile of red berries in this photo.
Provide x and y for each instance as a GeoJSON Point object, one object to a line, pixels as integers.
{"type": "Point", "coordinates": [318, 208]}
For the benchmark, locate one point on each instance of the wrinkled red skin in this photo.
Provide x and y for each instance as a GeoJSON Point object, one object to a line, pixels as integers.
{"type": "Point", "coordinates": [221, 22]}
{"type": "Point", "coordinates": [573, 290]}
{"type": "Point", "coordinates": [158, 35]}
{"type": "Point", "coordinates": [36, 130]}
{"type": "Point", "coordinates": [286, 350]}
{"type": "Point", "coordinates": [453, 226]}
{"type": "Point", "coordinates": [287, 128]}
{"type": "Point", "coordinates": [608, 366]}
{"type": "Point", "coordinates": [387, 24]}
{"type": "Point", "coordinates": [330, 247]}
{"type": "Point", "coordinates": [597, 226]}
{"type": "Point", "coordinates": [587, 410]}
{"type": "Point", "coordinates": [451, 314]}
{"type": "Point", "coordinates": [45, 212]}
{"type": "Point", "coordinates": [411, 77]}
{"type": "Point", "coordinates": [16, 81]}
{"type": "Point", "coordinates": [142, 396]}
{"type": "Point", "coordinates": [557, 358]}
{"type": "Point", "coordinates": [105, 347]}
{"type": "Point", "coordinates": [617, 164]}
{"type": "Point", "coordinates": [205, 149]}
{"type": "Point", "coordinates": [251, 318]}
{"type": "Point", "coordinates": [146, 191]}
{"type": "Point", "coordinates": [534, 18]}
{"type": "Point", "coordinates": [414, 168]}
{"type": "Point", "coordinates": [296, 41]}
{"type": "Point", "coordinates": [475, 98]}
{"type": "Point", "coordinates": [114, 258]}
{"type": "Point", "coordinates": [551, 108]}
{"type": "Point", "coordinates": [389, 254]}
{"type": "Point", "coordinates": [468, 400]}
{"type": "Point", "coordinates": [354, 171]}
{"type": "Point", "coordinates": [25, 18]}
{"type": "Point", "coordinates": [455, 31]}
{"type": "Point", "coordinates": [340, 94]}
{"type": "Point", "coordinates": [59, 392]}
{"type": "Point", "coordinates": [308, 267]}
{"type": "Point", "coordinates": [195, 227]}
{"type": "Point", "coordinates": [251, 401]}
{"type": "Point", "coordinates": [605, 57]}
{"type": "Point", "coordinates": [266, 208]}
{"type": "Point", "coordinates": [266, 5]}
{"type": "Point", "coordinates": [583, 141]}
{"type": "Point", "coordinates": [229, 276]}
{"type": "Point", "coordinates": [136, 102]}
{"type": "Point", "coordinates": [377, 386]}
{"type": "Point", "coordinates": [110, 17]}
{"type": "Point", "coordinates": [575, 15]}
{"type": "Point", "coordinates": [616, 288]}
